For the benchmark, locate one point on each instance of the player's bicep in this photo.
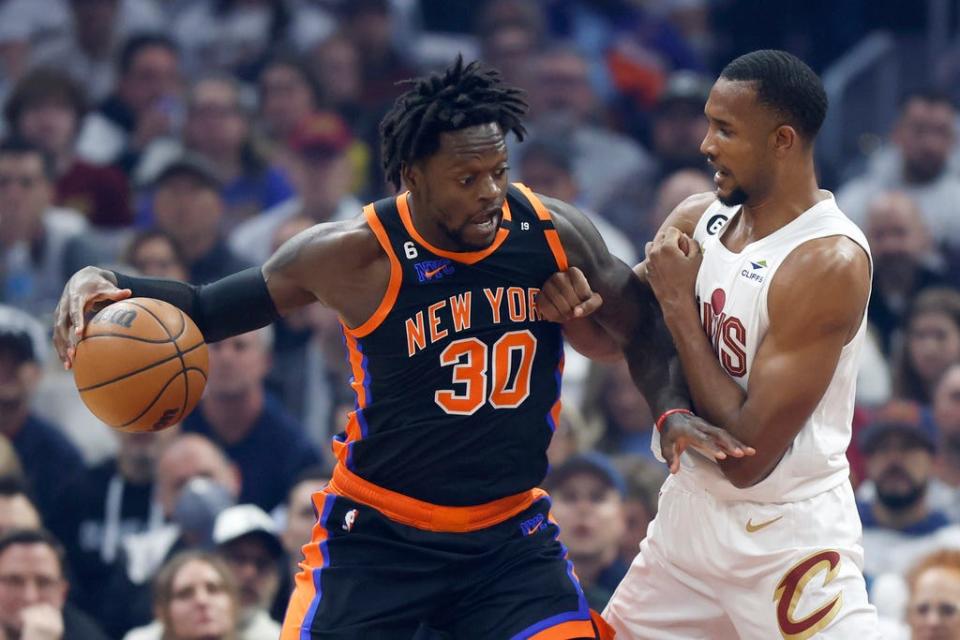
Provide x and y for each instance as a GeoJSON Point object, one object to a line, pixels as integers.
{"type": "Point", "coordinates": [285, 270]}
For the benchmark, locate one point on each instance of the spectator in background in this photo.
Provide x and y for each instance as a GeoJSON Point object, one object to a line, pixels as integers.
{"type": "Point", "coordinates": [17, 510]}
{"type": "Point", "coordinates": [195, 598]}
{"type": "Point", "coordinates": [587, 496]}
{"type": "Point", "coordinates": [194, 482]}
{"type": "Point", "coordinates": [946, 418]}
{"type": "Point", "coordinates": [511, 32]}
{"type": "Point", "coordinates": [644, 478]}
{"type": "Point", "coordinates": [247, 539]}
{"type": "Point", "coordinates": [933, 609]}
{"type": "Point", "coordinates": [10, 466]}
{"type": "Point", "coordinates": [112, 501]}
{"type": "Point", "coordinates": [931, 344]}
{"type": "Point", "coordinates": [156, 254]}
{"type": "Point", "coordinates": [563, 104]}
{"type": "Point", "coordinates": [34, 235]}
{"type": "Point", "coordinates": [898, 524]}
{"type": "Point", "coordinates": [322, 174]}
{"type": "Point", "coordinates": [189, 206]}
{"type": "Point", "coordinates": [918, 165]}
{"type": "Point", "coordinates": [45, 108]}
{"type": "Point", "coordinates": [251, 426]}
{"type": "Point", "coordinates": [145, 109]}
{"type": "Point", "coordinates": [97, 27]}
{"type": "Point", "coordinates": [218, 127]}
{"type": "Point", "coordinates": [33, 591]}
{"type": "Point", "coordinates": [52, 464]}
{"type": "Point", "coordinates": [613, 399]}
{"type": "Point", "coordinates": [903, 261]}
{"type": "Point", "coordinates": [674, 189]}
{"type": "Point", "coordinates": [288, 94]}
{"type": "Point", "coordinates": [369, 23]}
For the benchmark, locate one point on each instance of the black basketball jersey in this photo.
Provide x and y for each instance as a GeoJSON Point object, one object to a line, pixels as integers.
{"type": "Point", "coordinates": [457, 375]}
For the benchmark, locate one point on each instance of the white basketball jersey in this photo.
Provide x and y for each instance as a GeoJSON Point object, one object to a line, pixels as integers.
{"type": "Point", "coordinates": [732, 296]}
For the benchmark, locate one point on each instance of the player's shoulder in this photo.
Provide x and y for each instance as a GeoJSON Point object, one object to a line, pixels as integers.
{"type": "Point", "coordinates": [348, 243]}
{"type": "Point", "coordinates": [688, 213]}
{"type": "Point", "coordinates": [577, 234]}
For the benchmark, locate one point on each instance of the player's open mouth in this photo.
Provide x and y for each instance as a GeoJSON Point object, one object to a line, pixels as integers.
{"type": "Point", "coordinates": [487, 221]}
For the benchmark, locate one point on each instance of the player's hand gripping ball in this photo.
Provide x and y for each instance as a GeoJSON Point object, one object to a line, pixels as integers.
{"type": "Point", "coordinates": [141, 365]}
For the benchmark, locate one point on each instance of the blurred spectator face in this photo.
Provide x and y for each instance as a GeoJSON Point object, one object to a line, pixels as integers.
{"type": "Point", "coordinates": [675, 189]}
{"type": "Point", "coordinates": [900, 468]}
{"type": "Point", "coordinates": [934, 609]}
{"type": "Point", "coordinates": [189, 209]}
{"type": "Point", "coordinates": [93, 22]}
{"type": "Point", "coordinates": [925, 135]}
{"type": "Point", "coordinates": [30, 575]}
{"type": "Point", "coordinates": [285, 99]}
{"type": "Point", "coordinates": [18, 381]}
{"type": "Point", "coordinates": [372, 25]}
{"type": "Point", "coordinates": [215, 125]}
{"type": "Point", "coordinates": [561, 92]}
{"type": "Point", "coordinates": [51, 125]}
{"type": "Point", "coordinates": [300, 516]}
{"type": "Point", "coordinates": [188, 457]}
{"type": "Point", "coordinates": [157, 258]}
{"type": "Point", "coordinates": [543, 175]}
{"type": "Point", "coordinates": [508, 49]}
{"type": "Point", "coordinates": [623, 403]}
{"type": "Point", "coordinates": [590, 515]}
{"type": "Point", "coordinates": [336, 62]}
{"type": "Point", "coordinates": [322, 180]}
{"type": "Point", "coordinates": [238, 365]}
{"type": "Point", "coordinates": [678, 129]}
{"type": "Point", "coordinates": [637, 518]}
{"type": "Point", "coordinates": [137, 457]}
{"type": "Point", "coordinates": [17, 512]}
{"type": "Point", "coordinates": [933, 344]}
{"type": "Point", "coordinates": [25, 193]}
{"type": "Point", "coordinates": [152, 77]}
{"type": "Point", "coordinates": [200, 606]}
{"type": "Point", "coordinates": [255, 569]}
{"type": "Point", "coordinates": [946, 403]}
{"type": "Point", "coordinates": [896, 231]}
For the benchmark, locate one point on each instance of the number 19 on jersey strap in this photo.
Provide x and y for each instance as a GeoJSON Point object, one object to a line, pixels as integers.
{"type": "Point", "coordinates": [469, 359]}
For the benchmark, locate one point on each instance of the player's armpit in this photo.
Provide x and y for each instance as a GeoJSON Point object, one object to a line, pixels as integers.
{"type": "Point", "coordinates": [816, 304]}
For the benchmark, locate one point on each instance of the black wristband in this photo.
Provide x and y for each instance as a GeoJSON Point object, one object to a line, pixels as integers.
{"type": "Point", "coordinates": [230, 306]}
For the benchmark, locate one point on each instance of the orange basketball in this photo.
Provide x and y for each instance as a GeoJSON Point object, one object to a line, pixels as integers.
{"type": "Point", "coordinates": [141, 365]}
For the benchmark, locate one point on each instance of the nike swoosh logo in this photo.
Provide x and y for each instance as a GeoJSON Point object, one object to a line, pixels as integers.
{"type": "Point", "coordinates": [433, 272]}
{"type": "Point", "coordinates": [753, 528]}
{"type": "Point", "coordinates": [534, 530]}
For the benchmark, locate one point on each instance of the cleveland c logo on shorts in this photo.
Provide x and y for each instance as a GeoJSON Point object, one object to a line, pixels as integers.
{"type": "Point", "coordinates": [788, 592]}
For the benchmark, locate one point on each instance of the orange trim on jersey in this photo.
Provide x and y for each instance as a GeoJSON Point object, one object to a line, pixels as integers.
{"type": "Point", "coordinates": [606, 631]}
{"type": "Point", "coordinates": [424, 515]}
{"type": "Point", "coordinates": [393, 286]}
{"type": "Point", "coordinates": [553, 238]}
{"type": "Point", "coordinates": [305, 591]}
{"type": "Point", "coordinates": [567, 630]}
{"type": "Point", "coordinates": [464, 257]}
{"type": "Point", "coordinates": [356, 368]}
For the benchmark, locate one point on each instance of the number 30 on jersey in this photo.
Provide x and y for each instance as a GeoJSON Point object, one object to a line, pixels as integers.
{"type": "Point", "coordinates": [471, 360]}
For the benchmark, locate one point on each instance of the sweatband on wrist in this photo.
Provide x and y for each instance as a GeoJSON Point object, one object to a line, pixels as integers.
{"type": "Point", "coordinates": [666, 414]}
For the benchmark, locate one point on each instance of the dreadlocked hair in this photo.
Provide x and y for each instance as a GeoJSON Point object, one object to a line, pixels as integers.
{"type": "Point", "coordinates": [460, 96]}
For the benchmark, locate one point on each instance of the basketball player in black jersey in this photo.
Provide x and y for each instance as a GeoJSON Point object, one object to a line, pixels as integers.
{"type": "Point", "coordinates": [433, 516]}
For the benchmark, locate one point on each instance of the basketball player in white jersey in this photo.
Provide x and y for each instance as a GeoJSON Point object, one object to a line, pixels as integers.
{"type": "Point", "coordinates": [764, 286]}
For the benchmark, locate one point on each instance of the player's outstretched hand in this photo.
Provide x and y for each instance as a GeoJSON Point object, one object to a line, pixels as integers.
{"type": "Point", "coordinates": [566, 295]}
{"type": "Point", "coordinates": [682, 430]}
{"type": "Point", "coordinates": [83, 294]}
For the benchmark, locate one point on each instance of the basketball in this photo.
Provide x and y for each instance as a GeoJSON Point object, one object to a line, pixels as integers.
{"type": "Point", "coordinates": [141, 365]}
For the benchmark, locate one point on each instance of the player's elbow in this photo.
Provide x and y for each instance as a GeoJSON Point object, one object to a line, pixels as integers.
{"type": "Point", "coordinates": [743, 473]}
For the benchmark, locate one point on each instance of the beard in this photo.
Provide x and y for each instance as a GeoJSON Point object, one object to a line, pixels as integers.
{"type": "Point", "coordinates": [736, 197]}
{"type": "Point", "coordinates": [898, 501]}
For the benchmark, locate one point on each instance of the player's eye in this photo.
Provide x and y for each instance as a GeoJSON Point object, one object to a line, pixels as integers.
{"type": "Point", "coordinates": [502, 171]}
{"type": "Point", "coordinates": [466, 181]}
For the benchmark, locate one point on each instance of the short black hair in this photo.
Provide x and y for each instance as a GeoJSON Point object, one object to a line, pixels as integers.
{"type": "Point", "coordinates": [16, 146]}
{"type": "Point", "coordinates": [35, 536]}
{"type": "Point", "coordinates": [932, 95]}
{"type": "Point", "coordinates": [40, 86]}
{"type": "Point", "coordinates": [137, 43]}
{"type": "Point", "coordinates": [785, 83]}
{"type": "Point", "coordinates": [458, 97]}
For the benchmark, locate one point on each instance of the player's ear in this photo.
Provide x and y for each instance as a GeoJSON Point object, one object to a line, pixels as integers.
{"type": "Point", "coordinates": [412, 175]}
{"type": "Point", "coordinates": [784, 138]}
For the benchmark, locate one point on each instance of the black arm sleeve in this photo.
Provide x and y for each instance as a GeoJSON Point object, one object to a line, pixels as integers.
{"type": "Point", "coordinates": [228, 307]}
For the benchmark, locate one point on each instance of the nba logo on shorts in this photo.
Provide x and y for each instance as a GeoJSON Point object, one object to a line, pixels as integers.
{"type": "Point", "coordinates": [349, 519]}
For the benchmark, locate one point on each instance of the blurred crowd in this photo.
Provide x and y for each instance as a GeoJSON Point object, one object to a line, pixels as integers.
{"type": "Point", "coordinates": [190, 139]}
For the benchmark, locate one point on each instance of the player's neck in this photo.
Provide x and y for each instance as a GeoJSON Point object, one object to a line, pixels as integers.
{"type": "Point", "coordinates": [232, 416]}
{"type": "Point", "coordinates": [782, 205]}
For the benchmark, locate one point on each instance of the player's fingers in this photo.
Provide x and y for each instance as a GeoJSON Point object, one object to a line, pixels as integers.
{"type": "Point", "coordinates": [727, 442]}
{"type": "Point", "coordinates": [114, 295]}
{"type": "Point", "coordinates": [553, 293]}
{"type": "Point", "coordinates": [549, 310]}
{"type": "Point", "coordinates": [588, 306]}
{"type": "Point", "coordinates": [693, 248]}
{"type": "Point", "coordinates": [579, 282]}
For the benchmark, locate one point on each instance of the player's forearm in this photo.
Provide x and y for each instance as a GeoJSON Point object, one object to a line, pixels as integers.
{"type": "Point", "coordinates": [717, 398]}
{"type": "Point", "coordinates": [230, 306]}
{"type": "Point", "coordinates": [654, 365]}
{"type": "Point", "coordinates": [591, 340]}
